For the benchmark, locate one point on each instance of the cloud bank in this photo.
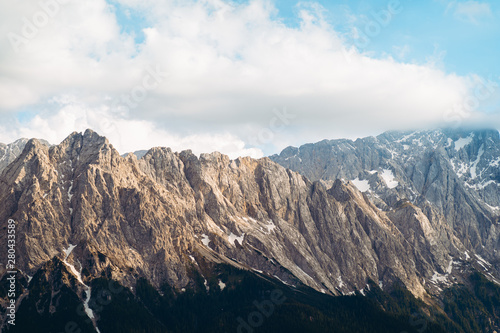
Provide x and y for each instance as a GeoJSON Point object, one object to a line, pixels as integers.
{"type": "Point", "coordinates": [209, 75]}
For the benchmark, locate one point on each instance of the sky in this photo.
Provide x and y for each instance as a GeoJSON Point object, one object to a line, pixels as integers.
{"type": "Point", "coordinates": [245, 77]}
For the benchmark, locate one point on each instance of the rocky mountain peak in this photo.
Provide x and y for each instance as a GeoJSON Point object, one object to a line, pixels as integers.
{"type": "Point", "coordinates": [145, 215]}
{"type": "Point", "coordinates": [333, 216]}
{"type": "Point", "coordinates": [9, 152]}
{"type": "Point", "coordinates": [456, 171]}
{"type": "Point", "coordinates": [394, 208]}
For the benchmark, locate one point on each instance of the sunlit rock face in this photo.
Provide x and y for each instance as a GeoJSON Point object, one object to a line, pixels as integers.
{"type": "Point", "coordinates": [386, 209]}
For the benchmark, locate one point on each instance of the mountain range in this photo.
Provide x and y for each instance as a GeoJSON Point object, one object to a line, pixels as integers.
{"type": "Point", "coordinates": [401, 230]}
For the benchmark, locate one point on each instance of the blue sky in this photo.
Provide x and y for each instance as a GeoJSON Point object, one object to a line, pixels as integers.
{"type": "Point", "coordinates": [227, 71]}
{"type": "Point", "coordinates": [132, 22]}
{"type": "Point", "coordinates": [422, 30]}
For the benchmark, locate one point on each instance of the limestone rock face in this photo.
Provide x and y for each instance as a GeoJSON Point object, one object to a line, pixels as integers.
{"type": "Point", "coordinates": [9, 152]}
{"type": "Point", "coordinates": [450, 175]}
{"type": "Point", "coordinates": [157, 216]}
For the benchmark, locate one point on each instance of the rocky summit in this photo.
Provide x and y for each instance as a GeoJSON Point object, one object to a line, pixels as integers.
{"type": "Point", "coordinates": [451, 175]}
{"type": "Point", "coordinates": [413, 214]}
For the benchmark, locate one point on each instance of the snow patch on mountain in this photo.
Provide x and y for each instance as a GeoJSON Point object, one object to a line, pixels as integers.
{"type": "Point", "coordinates": [473, 168]}
{"type": "Point", "coordinates": [495, 163]}
{"type": "Point", "coordinates": [340, 282]}
{"type": "Point", "coordinates": [205, 240]}
{"type": "Point", "coordinates": [68, 251]}
{"type": "Point", "coordinates": [69, 191]}
{"type": "Point", "coordinates": [361, 185]}
{"type": "Point", "coordinates": [462, 142]}
{"type": "Point", "coordinates": [270, 226]}
{"type": "Point", "coordinates": [482, 262]}
{"type": "Point", "coordinates": [232, 237]}
{"type": "Point", "coordinates": [88, 290]}
{"type": "Point", "coordinates": [222, 285]}
{"type": "Point", "coordinates": [439, 278]}
{"type": "Point", "coordinates": [389, 179]}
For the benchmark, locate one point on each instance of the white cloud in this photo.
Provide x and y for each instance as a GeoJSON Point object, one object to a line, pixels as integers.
{"type": "Point", "coordinates": [126, 135]}
{"type": "Point", "coordinates": [470, 11]}
{"type": "Point", "coordinates": [228, 67]}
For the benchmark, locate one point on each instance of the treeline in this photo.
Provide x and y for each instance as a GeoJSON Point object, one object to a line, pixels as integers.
{"type": "Point", "coordinates": [226, 299]}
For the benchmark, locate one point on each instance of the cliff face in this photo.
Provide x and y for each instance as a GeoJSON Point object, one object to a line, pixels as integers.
{"type": "Point", "coordinates": [411, 208]}
{"type": "Point", "coordinates": [157, 216]}
{"type": "Point", "coordinates": [451, 175]}
{"type": "Point", "coordinates": [9, 152]}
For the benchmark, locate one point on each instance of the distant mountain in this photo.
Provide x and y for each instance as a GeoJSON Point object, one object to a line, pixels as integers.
{"type": "Point", "coordinates": [139, 153]}
{"type": "Point", "coordinates": [449, 174]}
{"type": "Point", "coordinates": [9, 152]}
{"type": "Point", "coordinates": [174, 230]}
